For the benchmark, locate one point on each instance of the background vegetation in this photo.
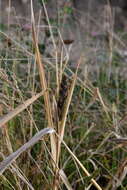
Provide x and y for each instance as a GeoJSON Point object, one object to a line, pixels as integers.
{"type": "Point", "coordinates": [63, 123]}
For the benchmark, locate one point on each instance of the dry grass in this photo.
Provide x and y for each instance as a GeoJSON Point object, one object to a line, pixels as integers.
{"type": "Point", "coordinates": [58, 129]}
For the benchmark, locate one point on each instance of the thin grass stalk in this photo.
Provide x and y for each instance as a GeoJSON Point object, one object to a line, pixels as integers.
{"type": "Point", "coordinates": [4, 119]}
{"type": "Point", "coordinates": [57, 74]}
{"type": "Point", "coordinates": [3, 178]}
{"type": "Point", "coordinates": [16, 170]}
{"type": "Point", "coordinates": [61, 125]}
{"type": "Point", "coordinates": [105, 108]}
{"type": "Point", "coordinates": [109, 14]}
{"type": "Point", "coordinates": [9, 147]}
{"type": "Point", "coordinates": [65, 111]}
{"type": "Point", "coordinates": [80, 164]}
{"type": "Point", "coordinates": [46, 94]}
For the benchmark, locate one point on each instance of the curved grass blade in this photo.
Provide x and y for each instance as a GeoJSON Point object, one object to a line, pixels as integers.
{"type": "Point", "coordinates": [12, 157]}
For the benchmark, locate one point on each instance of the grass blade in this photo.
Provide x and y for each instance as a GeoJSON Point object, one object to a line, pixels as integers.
{"type": "Point", "coordinates": [19, 109]}
{"type": "Point", "coordinates": [43, 84]}
{"type": "Point", "coordinates": [4, 164]}
{"type": "Point", "coordinates": [65, 180]}
{"type": "Point", "coordinates": [80, 164]}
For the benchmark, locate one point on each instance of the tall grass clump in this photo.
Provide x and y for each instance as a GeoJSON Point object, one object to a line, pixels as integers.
{"type": "Point", "coordinates": [59, 128]}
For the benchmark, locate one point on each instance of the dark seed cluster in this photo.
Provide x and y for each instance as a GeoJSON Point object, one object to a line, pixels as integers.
{"type": "Point", "coordinates": [63, 93]}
